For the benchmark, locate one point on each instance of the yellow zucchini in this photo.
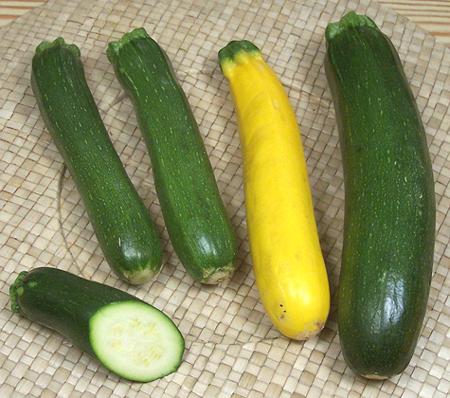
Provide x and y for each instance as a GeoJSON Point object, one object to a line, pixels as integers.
{"type": "Point", "coordinates": [287, 260]}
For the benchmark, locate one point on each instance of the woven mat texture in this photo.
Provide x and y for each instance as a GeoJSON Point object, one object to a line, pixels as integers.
{"type": "Point", "coordinates": [232, 348]}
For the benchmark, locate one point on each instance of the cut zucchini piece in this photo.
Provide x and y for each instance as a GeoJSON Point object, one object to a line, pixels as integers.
{"type": "Point", "coordinates": [128, 336]}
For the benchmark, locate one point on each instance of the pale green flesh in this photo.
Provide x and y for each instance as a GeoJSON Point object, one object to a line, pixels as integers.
{"type": "Point", "coordinates": [136, 341]}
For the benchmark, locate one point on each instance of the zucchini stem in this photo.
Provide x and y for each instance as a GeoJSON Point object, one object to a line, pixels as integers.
{"type": "Point", "coordinates": [59, 42]}
{"type": "Point", "coordinates": [351, 20]}
{"type": "Point", "coordinates": [16, 290]}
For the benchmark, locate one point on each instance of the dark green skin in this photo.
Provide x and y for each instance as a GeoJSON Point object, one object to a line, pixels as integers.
{"type": "Point", "coordinates": [121, 222]}
{"type": "Point", "coordinates": [196, 220]}
{"type": "Point", "coordinates": [389, 227]}
{"type": "Point", "coordinates": [63, 302]}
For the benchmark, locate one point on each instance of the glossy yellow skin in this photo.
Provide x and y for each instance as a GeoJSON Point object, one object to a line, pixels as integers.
{"type": "Point", "coordinates": [287, 260]}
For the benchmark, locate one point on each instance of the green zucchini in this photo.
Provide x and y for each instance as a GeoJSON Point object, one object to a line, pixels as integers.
{"type": "Point", "coordinates": [389, 225]}
{"type": "Point", "coordinates": [121, 222]}
{"type": "Point", "coordinates": [196, 220]}
{"type": "Point", "coordinates": [129, 337]}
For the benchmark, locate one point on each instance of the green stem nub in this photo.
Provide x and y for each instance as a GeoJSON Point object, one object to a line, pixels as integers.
{"type": "Point", "coordinates": [59, 42]}
{"type": "Point", "coordinates": [16, 290]}
{"type": "Point", "coordinates": [112, 52]}
{"type": "Point", "coordinates": [228, 53]}
{"type": "Point", "coordinates": [351, 20]}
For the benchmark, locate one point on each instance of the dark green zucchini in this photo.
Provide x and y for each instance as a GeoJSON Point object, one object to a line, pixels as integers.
{"type": "Point", "coordinates": [193, 211]}
{"type": "Point", "coordinates": [128, 336]}
{"type": "Point", "coordinates": [121, 222]}
{"type": "Point", "coordinates": [389, 227]}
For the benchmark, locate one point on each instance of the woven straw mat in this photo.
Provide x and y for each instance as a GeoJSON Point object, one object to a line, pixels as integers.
{"type": "Point", "coordinates": [232, 349]}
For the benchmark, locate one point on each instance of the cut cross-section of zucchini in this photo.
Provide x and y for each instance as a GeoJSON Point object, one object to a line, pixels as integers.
{"type": "Point", "coordinates": [136, 341]}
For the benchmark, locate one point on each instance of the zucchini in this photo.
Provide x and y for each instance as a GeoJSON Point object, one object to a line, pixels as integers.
{"type": "Point", "coordinates": [196, 220]}
{"type": "Point", "coordinates": [389, 226]}
{"type": "Point", "coordinates": [121, 222]}
{"type": "Point", "coordinates": [288, 263]}
{"type": "Point", "coordinates": [129, 337]}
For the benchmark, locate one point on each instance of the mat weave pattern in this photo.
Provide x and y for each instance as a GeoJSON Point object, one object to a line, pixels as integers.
{"type": "Point", "coordinates": [232, 349]}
